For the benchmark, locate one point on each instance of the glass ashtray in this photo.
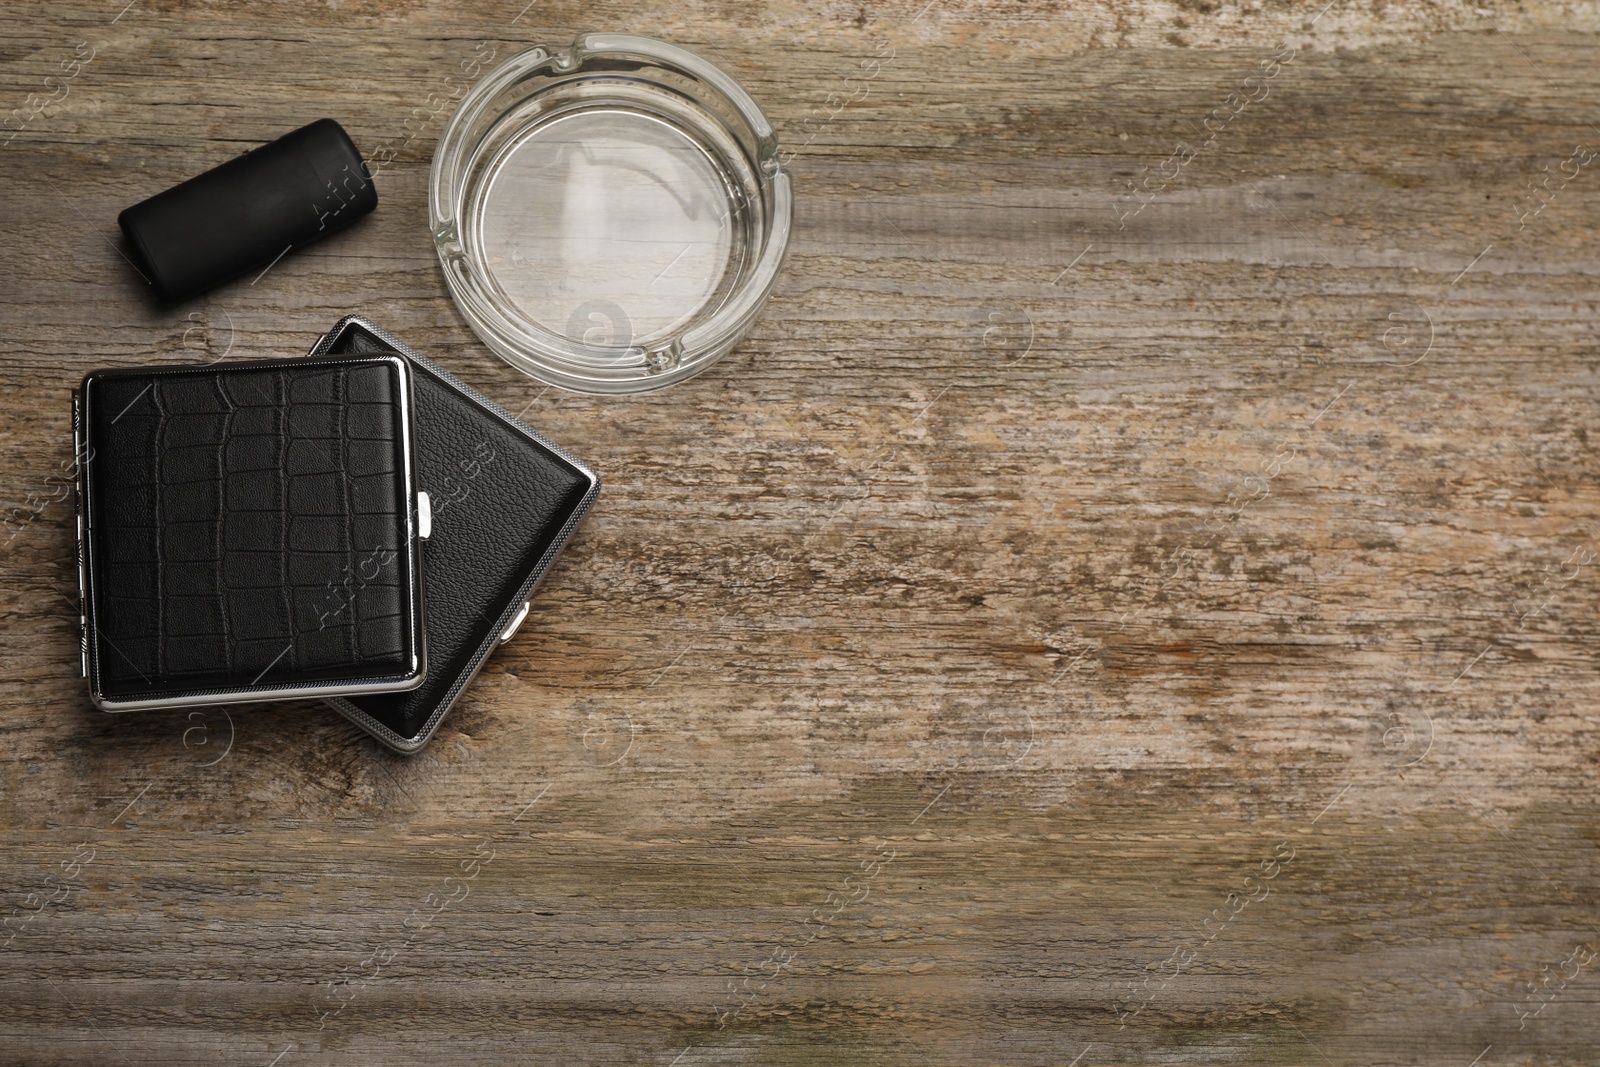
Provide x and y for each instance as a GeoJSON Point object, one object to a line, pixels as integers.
{"type": "Point", "coordinates": [612, 216]}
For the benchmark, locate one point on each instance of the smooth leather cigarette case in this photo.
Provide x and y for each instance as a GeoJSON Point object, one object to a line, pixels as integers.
{"type": "Point", "coordinates": [505, 502]}
{"type": "Point", "coordinates": [248, 531]}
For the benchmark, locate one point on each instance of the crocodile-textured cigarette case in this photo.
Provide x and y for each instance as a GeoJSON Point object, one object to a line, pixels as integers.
{"type": "Point", "coordinates": [249, 531]}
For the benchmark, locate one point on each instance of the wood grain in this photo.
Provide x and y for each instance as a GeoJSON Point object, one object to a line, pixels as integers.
{"type": "Point", "coordinates": [1043, 567]}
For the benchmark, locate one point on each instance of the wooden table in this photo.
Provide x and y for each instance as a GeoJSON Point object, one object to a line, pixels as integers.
{"type": "Point", "coordinates": [1130, 600]}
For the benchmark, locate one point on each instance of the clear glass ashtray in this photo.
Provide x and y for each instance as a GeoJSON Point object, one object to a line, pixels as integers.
{"type": "Point", "coordinates": [610, 217]}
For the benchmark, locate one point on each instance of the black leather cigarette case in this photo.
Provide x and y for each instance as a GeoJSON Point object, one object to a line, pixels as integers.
{"type": "Point", "coordinates": [505, 502]}
{"type": "Point", "coordinates": [249, 531]}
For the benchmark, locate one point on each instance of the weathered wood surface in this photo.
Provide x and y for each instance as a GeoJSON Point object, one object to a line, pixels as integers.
{"type": "Point", "coordinates": [1044, 564]}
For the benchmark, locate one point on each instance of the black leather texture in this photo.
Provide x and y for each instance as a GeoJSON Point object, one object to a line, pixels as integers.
{"type": "Point", "coordinates": [504, 503]}
{"type": "Point", "coordinates": [247, 526]}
